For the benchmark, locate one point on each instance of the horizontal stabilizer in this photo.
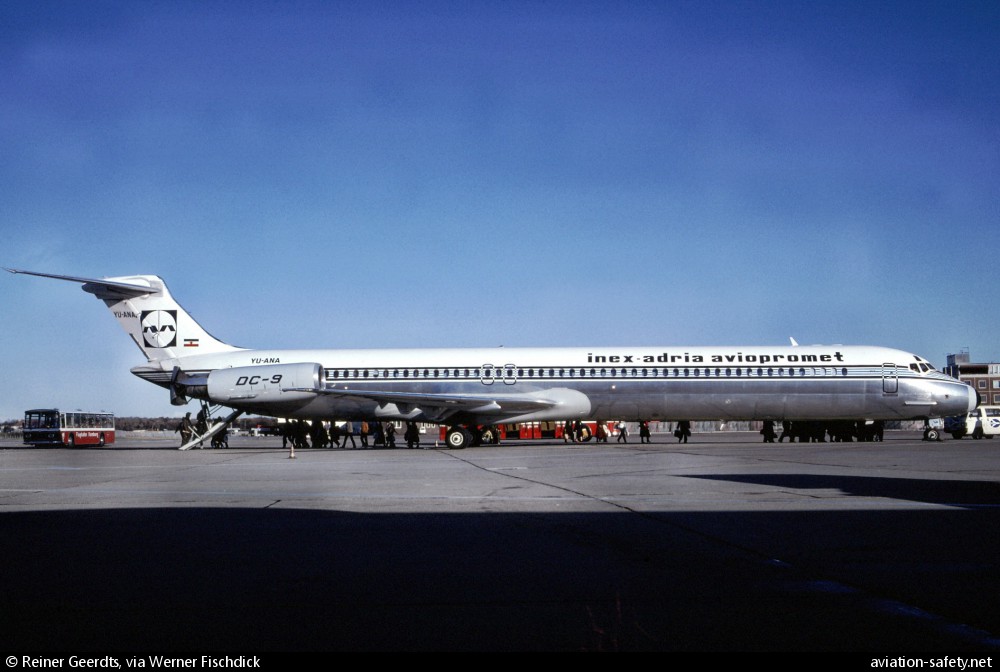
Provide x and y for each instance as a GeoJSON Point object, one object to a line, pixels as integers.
{"type": "Point", "coordinates": [102, 289]}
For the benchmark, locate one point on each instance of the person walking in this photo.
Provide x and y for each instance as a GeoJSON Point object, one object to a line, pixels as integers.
{"type": "Point", "coordinates": [622, 432]}
{"type": "Point", "coordinates": [644, 435]}
{"type": "Point", "coordinates": [412, 435]}
{"type": "Point", "coordinates": [186, 427]}
{"type": "Point", "coordinates": [786, 430]}
{"type": "Point", "coordinates": [684, 430]}
{"type": "Point", "coordinates": [349, 434]}
{"type": "Point", "coordinates": [602, 432]}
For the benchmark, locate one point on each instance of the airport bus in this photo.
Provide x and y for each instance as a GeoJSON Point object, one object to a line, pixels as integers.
{"type": "Point", "coordinates": [52, 427]}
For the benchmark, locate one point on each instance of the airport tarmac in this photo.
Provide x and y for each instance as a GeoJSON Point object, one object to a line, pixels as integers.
{"type": "Point", "coordinates": [721, 544]}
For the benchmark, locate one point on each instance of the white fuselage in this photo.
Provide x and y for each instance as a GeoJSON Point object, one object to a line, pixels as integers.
{"type": "Point", "coordinates": [745, 382]}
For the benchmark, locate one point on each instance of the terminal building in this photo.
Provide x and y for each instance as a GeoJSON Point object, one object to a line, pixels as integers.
{"type": "Point", "coordinates": [984, 377]}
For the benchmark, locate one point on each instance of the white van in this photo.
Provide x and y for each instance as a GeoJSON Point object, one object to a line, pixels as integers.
{"type": "Point", "coordinates": [977, 423]}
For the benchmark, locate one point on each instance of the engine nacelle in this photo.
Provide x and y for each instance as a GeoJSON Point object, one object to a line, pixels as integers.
{"type": "Point", "coordinates": [268, 383]}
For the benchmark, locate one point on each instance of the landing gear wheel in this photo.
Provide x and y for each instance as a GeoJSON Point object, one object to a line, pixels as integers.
{"type": "Point", "coordinates": [458, 438]}
{"type": "Point", "coordinates": [932, 435]}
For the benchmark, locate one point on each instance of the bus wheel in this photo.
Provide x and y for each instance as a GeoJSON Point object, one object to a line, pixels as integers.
{"type": "Point", "coordinates": [71, 441]}
{"type": "Point", "coordinates": [585, 434]}
{"type": "Point", "coordinates": [101, 441]}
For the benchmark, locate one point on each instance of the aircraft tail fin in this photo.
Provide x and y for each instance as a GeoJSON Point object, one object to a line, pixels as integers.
{"type": "Point", "coordinates": [149, 314]}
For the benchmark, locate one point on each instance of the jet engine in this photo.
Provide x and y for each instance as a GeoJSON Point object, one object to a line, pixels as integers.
{"type": "Point", "coordinates": [266, 383]}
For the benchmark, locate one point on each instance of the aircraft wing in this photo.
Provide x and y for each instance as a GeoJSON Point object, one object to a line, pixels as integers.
{"type": "Point", "coordinates": [441, 406]}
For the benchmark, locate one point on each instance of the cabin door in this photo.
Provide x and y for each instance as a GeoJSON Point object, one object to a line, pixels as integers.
{"type": "Point", "coordinates": [890, 379]}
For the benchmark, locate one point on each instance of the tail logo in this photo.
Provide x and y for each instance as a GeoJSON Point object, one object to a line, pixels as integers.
{"type": "Point", "coordinates": [159, 328]}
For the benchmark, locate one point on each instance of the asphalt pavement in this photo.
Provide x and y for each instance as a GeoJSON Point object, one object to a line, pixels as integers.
{"type": "Point", "coordinates": [721, 544]}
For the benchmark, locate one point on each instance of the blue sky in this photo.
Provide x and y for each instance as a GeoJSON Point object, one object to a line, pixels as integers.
{"type": "Point", "coordinates": [397, 174]}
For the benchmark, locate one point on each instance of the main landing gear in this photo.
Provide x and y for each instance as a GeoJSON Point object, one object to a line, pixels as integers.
{"type": "Point", "coordinates": [459, 437]}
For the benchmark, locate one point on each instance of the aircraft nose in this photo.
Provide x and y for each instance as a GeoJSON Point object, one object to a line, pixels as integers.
{"type": "Point", "coordinates": [974, 398]}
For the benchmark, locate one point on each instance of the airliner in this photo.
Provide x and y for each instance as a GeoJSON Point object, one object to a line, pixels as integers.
{"type": "Point", "coordinates": [468, 388]}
